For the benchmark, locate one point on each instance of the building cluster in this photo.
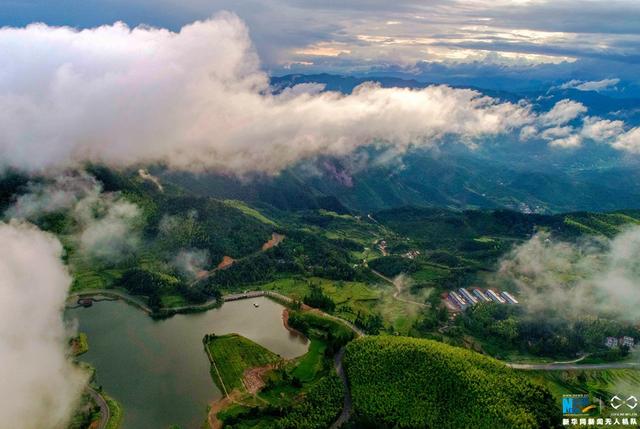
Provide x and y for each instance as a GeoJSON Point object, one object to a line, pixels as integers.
{"type": "Point", "coordinates": [625, 341]}
{"type": "Point", "coordinates": [462, 298]}
{"type": "Point", "coordinates": [411, 254]}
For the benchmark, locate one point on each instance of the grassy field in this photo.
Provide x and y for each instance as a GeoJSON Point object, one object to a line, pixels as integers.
{"type": "Point", "coordinates": [85, 278]}
{"type": "Point", "coordinates": [173, 301]}
{"type": "Point", "coordinates": [233, 355]}
{"type": "Point", "coordinates": [340, 291]}
{"type": "Point", "coordinates": [397, 315]}
{"type": "Point", "coordinates": [429, 273]}
{"type": "Point", "coordinates": [352, 298]}
{"type": "Point", "coordinates": [311, 363]}
{"type": "Point", "coordinates": [301, 393]}
{"type": "Point", "coordinates": [250, 211]}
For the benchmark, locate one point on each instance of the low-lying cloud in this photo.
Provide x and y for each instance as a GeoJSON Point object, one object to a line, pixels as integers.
{"type": "Point", "coordinates": [40, 386]}
{"type": "Point", "coordinates": [108, 228]}
{"type": "Point", "coordinates": [593, 276]}
{"type": "Point", "coordinates": [104, 223]}
{"type": "Point", "coordinates": [593, 85]}
{"type": "Point", "coordinates": [191, 263]}
{"type": "Point", "coordinates": [197, 99]}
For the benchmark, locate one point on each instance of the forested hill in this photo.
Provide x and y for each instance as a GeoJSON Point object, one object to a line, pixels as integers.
{"type": "Point", "coordinates": [180, 220]}
{"type": "Point", "coordinates": [405, 382]}
{"type": "Point", "coordinates": [440, 224]}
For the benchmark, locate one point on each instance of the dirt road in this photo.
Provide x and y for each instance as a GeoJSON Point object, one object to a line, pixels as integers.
{"type": "Point", "coordinates": [396, 294]}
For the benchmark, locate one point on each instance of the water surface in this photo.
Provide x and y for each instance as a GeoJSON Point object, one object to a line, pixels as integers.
{"type": "Point", "coordinates": [158, 370]}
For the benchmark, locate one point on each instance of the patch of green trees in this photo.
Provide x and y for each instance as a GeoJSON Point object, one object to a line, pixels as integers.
{"type": "Point", "coordinates": [334, 333]}
{"type": "Point", "coordinates": [544, 334]}
{"type": "Point", "coordinates": [316, 298]}
{"type": "Point", "coordinates": [401, 382]}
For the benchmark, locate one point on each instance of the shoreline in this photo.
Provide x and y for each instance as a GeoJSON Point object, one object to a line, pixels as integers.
{"type": "Point", "coordinates": [293, 331]}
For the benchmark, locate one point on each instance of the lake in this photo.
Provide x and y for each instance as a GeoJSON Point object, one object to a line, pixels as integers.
{"type": "Point", "coordinates": [158, 369]}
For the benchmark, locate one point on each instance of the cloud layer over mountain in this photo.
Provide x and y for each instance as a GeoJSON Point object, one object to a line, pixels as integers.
{"type": "Point", "coordinates": [197, 99]}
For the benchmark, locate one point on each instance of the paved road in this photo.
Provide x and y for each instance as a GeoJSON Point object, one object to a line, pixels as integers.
{"type": "Point", "coordinates": [105, 413]}
{"type": "Point", "coordinates": [396, 294]}
{"type": "Point", "coordinates": [346, 408]}
{"type": "Point", "coordinates": [573, 366]}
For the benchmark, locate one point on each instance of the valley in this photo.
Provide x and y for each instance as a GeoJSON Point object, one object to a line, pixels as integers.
{"type": "Point", "coordinates": [382, 274]}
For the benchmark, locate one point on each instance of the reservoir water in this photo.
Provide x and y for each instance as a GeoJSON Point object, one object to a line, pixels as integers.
{"type": "Point", "coordinates": [158, 370]}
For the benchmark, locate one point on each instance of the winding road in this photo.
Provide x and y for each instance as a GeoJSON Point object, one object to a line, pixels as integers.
{"type": "Point", "coordinates": [346, 408]}
{"type": "Point", "coordinates": [105, 413]}
{"type": "Point", "coordinates": [572, 366]}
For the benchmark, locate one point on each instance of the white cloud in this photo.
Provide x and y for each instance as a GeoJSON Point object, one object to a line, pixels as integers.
{"type": "Point", "coordinates": [104, 223]}
{"type": "Point", "coordinates": [63, 193]}
{"type": "Point", "coordinates": [594, 85]}
{"type": "Point", "coordinates": [528, 132]}
{"type": "Point", "coordinates": [593, 276]}
{"type": "Point", "coordinates": [40, 387]}
{"type": "Point", "coordinates": [197, 99]}
{"type": "Point", "coordinates": [571, 141]}
{"type": "Point", "coordinates": [108, 234]}
{"type": "Point", "coordinates": [564, 111]}
{"type": "Point", "coordinates": [629, 141]}
{"type": "Point", "coordinates": [192, 262]}
{"type": "Point", "coordinates": [598, 129]}
{"type": "Point", "coordinates": [555, 132]}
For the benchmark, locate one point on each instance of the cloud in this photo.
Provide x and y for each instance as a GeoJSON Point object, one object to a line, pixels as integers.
{"type": "Point", "coordinates": [197, 99]}
{"type": "Point", "coordinates": [564, 111]}
{"type": "Point", "coordinates": [598, 85]}
{"type": "Point", "coordinates": [104, 222]}
{"type": "Point", "coordinates": [598, 129]}
{"type": "Point", "coordinates": [108, 228]}
{"type": "Point", "coordinates": [191, 262]}
{"type": "Point", "coordinates": [554, 132]}
{"type": "Point", "coordinates": [571, 141]}
{"type": "Point", "coordinates": [144, 174]}
{"type": "Point", "coordinates": [63, 193]}
{"type": "Point", "coordinates": [443, 30]}
{"type": "Point", "coordinates": [40, 386]}
{"type": "Point", "coordinates": [595, 276]}
{"type": "Point", "coordinates": [628, 141]}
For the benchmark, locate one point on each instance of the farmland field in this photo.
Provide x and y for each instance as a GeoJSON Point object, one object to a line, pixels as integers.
{"type": "Point", "coordinates": [233, 355]}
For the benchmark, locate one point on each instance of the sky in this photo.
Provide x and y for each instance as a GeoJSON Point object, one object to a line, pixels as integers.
{"type": "Point", "coordinates": [189, 86]}
{"type": "Point", "coordinates": [552, 40]}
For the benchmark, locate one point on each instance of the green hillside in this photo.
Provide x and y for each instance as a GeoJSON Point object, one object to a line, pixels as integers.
{"type": "Point", "coordinates": [400, 382]}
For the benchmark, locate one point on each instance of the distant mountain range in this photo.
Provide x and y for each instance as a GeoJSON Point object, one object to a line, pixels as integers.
{"type": "Point", "coordinates": [501, 173]}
